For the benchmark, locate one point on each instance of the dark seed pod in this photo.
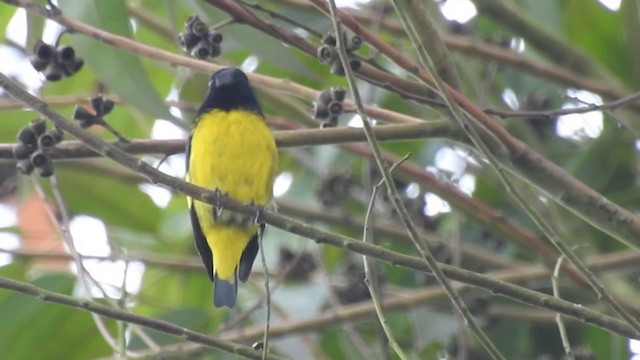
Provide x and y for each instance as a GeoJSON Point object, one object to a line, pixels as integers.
{"type": "Point", "coordinates": [87, 123]}
{"type": "Point", "coordinates": [354, 43]}
{"type": "Point", "coordinates": [20, 151]}
{"type": "Point", "coordinates": [190, 20]}
{"type": "Point", "coordinates": [80, 113]}
{"type": "Point", "coordinates": [65, 54]}
{"type": "Point", "coordinates": [330, 40]}
{"type": "Point", "coordinates": [28, 138]}
{"type": "Point", "coordinates": [202, 50]}
{"type": "Point", "coordinates": [38, 126]}
{"type": "Point", "coordinates": [53, 72]}
{"type": "Point", "coordinates": [216, 50]}
{"type": "Point", "coordinates": [37, 63]}
{"type": "Point", "coordinates": [72, 67]}
{"type": "Point", "coordinates": [355, 289]}
{"type": "Point", "coordinates": [214, 37]}
{"type": "Point", "coordinates": [57, 134]}
{"type": "Point", "coordinates": [96, 104]}
{"type": "Point", "coordinates": [43, 50]}
{"type": "Point", "coordinates": [324, 97]}
{"type": "Point", "coordinates": [319, 111]}
{"type": "Point", "coordinates": [299, 266]}
{"type": "Point", "coordinates": [337, 69]}
{"type": "Point", "coordinates": [25, 166]}
{"type": "Point", "coordinates": [42, 55]}
{"type": "Point", "coordinates": [46, 141]}
{"type": "Point", "coordinates": [46, 170]}
{"type": "Point", "coordinates": [188, 41]}
{"type": "Point", "coordinates": [327, 54]}
{"type": "Point", "coordinates": [39, 158]}
{"type": "Point", "coordinates": [355, 64]}
{"type": "Point", "coordinates": [338, 93]}
{"type": "Point", "coordinates": [198, 27]}
{"type": "Point", "coordinates": [330, 122]}
{"type": "Point", "coordinates": [335, 108]}
{"type": "Point", "coordinates": [107, 107]}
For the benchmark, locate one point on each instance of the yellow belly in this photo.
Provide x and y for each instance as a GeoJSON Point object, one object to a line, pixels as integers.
{"type": "Point", "coordinates": [235, 153]}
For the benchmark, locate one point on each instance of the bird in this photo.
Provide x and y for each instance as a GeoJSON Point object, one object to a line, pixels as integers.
{"type": "Point", "coordinates": [231, 151]}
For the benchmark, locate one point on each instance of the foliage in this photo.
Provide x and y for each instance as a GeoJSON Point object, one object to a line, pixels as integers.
{"type": "Point", "coordinates": [329, 186]}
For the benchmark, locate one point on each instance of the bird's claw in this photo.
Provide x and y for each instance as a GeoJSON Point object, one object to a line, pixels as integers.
{"type": "Point", "coordinates": [218, 196]}
{"type": "Point", "coordinates": [259, 212]}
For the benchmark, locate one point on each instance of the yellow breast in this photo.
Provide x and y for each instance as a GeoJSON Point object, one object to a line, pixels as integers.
{"type": "Point", "coordinates": [234, 152]}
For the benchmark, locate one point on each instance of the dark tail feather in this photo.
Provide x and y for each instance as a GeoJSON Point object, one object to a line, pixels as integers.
{"type": "Point", "coordinates": [224, 292]}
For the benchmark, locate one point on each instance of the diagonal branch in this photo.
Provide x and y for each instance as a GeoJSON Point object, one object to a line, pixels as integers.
{"type": "Point", "coordinates": [519, 158]}
{"type": "Point", "coordinates": [399, 206]}
{"type": "Point", "coordinates": [517, 293]}
{"type": "Point", "coordinates": [113, 313]}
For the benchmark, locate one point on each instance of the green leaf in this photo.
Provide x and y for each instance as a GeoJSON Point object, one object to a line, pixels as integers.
{"type": "Point", "coordinates": [614, 152]}
{"type": "Point", "coordinates": [590, 26]}
{"type": "Point", "coordinates": [121, 71]}
{"type": "Point", "coordinates": [115, 202]}
{"type": "Point", "coordinates": [7, 12]}
{"type": "Point", "coordinates": [171, 289]}
{"type": "Point", "coordinates": [191, 319]}
{"type": "Point", "coordinates": [630, 11]}
{"type": "Point", "coordinates": [33, 329]}
{"type": "Point", "coordinates": [12, 122]}
{"type": "Point", "coordinates": [35, 28]}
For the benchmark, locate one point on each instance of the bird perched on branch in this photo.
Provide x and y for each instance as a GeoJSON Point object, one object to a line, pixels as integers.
{"type": "Point", "coordinates": [230, 150]}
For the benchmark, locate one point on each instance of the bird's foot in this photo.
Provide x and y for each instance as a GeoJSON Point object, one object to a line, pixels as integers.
{"type": "Point", "coordinates": [259, 213]}
{"type": "Point", "coordinates": [217, 208]}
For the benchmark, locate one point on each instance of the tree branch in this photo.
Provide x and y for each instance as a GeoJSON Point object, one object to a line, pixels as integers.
{"type": "Point", "coordinates": [284, 139]}
{"type": "Point", "coordinates": [321, 237]}
{"type": "Point", "coordinates": [113, 313]}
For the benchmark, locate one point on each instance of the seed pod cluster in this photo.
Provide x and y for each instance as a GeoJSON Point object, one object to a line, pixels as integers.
{"type": "Point", "coordinates": [55, 63]}
{"type": "Point", "coordinates": [328, 106]}
{"type": "Point", "coordinates": [101, 107]}
{"type": "Point", "coordinates": [355, 289]}
{"type": "Point", "coordinates": [199, 40]}
{"type": "Point", "coordinates": [34, 142]}
{"type": "Point", "coordinates": [328, 54]}
{"type": "Point", "coordinates": [335, 188]}
{"type": "Point", "coordinates": [299, 266]}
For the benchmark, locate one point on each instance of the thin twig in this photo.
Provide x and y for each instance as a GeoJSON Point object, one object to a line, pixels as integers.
{"type": "Point", "coordinates": [549, 114]}
{"type": "Point", "coordinates": [265, 338]}
{"type": "Point", "coordinates": [371, 280]}
{"type": "Point", "coordinates": [395, 198]}
{"type": "Point", "coordinates": [83, 274]}
{"type": "Point", "coordinates": [276, 15]}
{"type": "Point", "coordinates": [470, 127]}
{"type": "Point", "coordinates": [358, 342]}
{"type": "Point", "coordinates": [556, 293]}
{"type": "Point", "coordinates": [114, 131]}
{"type": "Point", "coordinates": [522, 160]}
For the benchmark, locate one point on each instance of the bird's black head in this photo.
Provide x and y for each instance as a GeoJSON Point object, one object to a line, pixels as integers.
{"type": "Point", "coordinates": [229, 89]}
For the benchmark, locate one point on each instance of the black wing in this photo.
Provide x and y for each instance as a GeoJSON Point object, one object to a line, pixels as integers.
{"type": "Point", "coordinates": [201, 243]}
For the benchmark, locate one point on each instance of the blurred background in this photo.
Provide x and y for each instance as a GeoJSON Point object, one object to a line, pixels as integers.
{"type": "Point", "coordinates": [97, 230]}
